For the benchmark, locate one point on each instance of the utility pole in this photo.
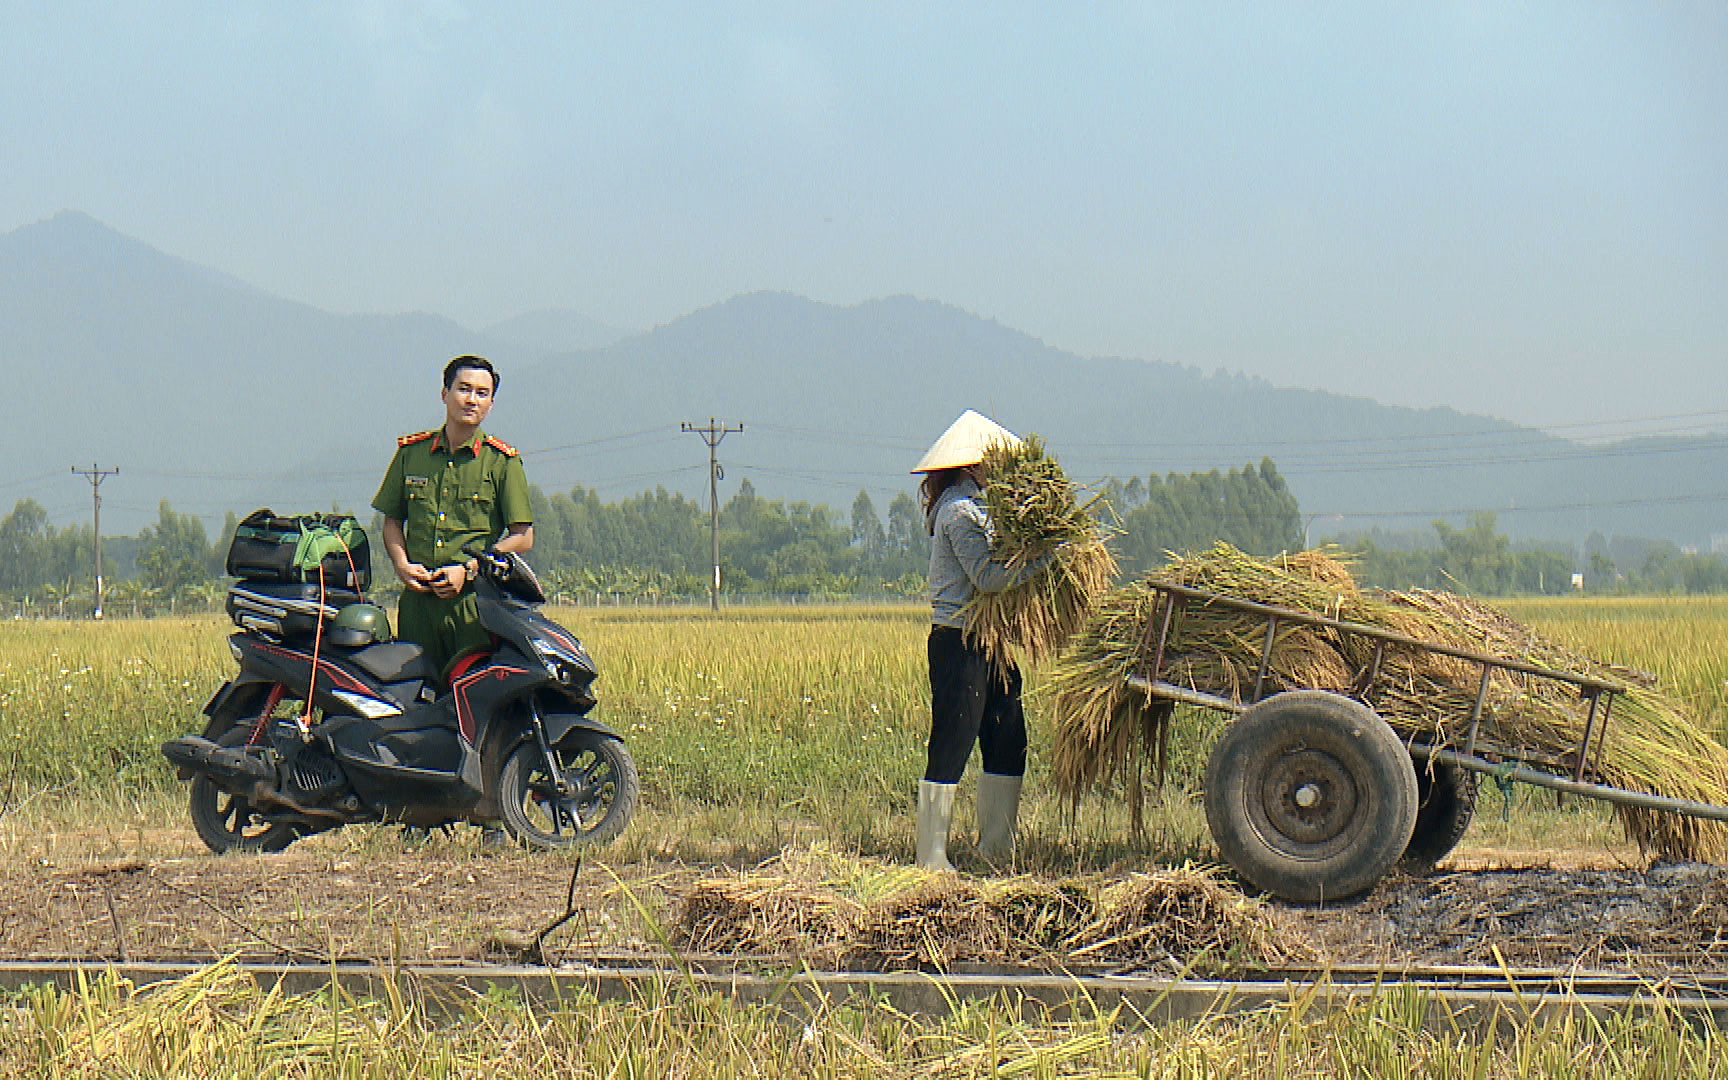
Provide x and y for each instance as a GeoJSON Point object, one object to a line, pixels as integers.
{"type": "Point", "coordinates": [712, 434]}
{"type": "Point", "coordinates": [96, 476]}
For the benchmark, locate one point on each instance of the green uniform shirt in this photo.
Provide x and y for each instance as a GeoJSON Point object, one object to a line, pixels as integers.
{"type": "Point", "coordinates": [448, 499]}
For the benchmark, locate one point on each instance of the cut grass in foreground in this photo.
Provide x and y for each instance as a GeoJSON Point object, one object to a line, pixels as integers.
{"type": "Point", "coordinates": [218, 1023]}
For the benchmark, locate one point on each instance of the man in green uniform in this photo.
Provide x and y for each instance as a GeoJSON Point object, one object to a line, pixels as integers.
{"type": "Point", "coordinates": [447, 489]}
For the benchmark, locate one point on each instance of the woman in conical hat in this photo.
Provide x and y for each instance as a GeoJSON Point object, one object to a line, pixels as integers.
{"type": "Point", "coordinates": [970, 700]}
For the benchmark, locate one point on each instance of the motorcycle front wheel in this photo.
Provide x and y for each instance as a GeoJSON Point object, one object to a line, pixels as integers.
{"type": "Point", "coordinates": [599, 796]}
{"type": "Point", "coordinates": [225, 821]}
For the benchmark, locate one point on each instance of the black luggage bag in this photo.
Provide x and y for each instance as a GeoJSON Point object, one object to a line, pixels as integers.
{"type": "Point", "coordinates": [265, 546]}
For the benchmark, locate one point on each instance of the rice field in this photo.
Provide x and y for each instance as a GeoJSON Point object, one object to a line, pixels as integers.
{"type": "Point", "coordinates": [756, 730]}
{"type": "Point", "coordinates": [1683, 640]}
{"type": "Point", "coordinates": [752, 728]}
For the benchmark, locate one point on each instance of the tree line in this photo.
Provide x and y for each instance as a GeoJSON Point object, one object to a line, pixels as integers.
{"type": "Point", "coordinates": [1479, 559]}
{"type": "Point", "coordinates": [656, 546]}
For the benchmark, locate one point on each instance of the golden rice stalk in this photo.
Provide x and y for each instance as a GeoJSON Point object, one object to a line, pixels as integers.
{"type": "Point", "coordinates": [1650, 744]}
{"type": "Point", "coordinates": [1036, 520]}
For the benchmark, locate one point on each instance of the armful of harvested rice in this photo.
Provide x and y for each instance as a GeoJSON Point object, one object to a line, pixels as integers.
{"type": "Point", "coordinates": [987, 570]}
{"type": "Point", "coordinates": [1050, 551]}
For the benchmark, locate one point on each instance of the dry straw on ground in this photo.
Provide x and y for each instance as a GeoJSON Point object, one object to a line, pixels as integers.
{"type": "Point", "coordinates": [1036, 519]}
{"type": "Point", "coordinates": [1182, 918]}
{"type": "Point", "coordinates": [1105, 729]}
{"type": "Point", "coordinates": [764, 914]}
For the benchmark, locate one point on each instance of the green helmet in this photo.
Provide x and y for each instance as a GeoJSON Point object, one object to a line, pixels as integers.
{"type": "Point", "coordinates": [360, 624]}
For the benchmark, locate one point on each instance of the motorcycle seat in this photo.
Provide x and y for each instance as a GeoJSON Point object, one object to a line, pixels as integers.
{"type": "Point", "coordinates": [396, 661]}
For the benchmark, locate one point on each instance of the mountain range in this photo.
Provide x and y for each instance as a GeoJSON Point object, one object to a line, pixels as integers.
{"type": "Point", "coordinates": [212, 394]}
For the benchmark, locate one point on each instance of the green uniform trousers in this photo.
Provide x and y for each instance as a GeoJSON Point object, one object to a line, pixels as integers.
{"type": "Point", "coordinates": [447, 629]}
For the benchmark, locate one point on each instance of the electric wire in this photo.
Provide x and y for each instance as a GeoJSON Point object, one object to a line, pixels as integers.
{"type": "Point", "coordinates": [1334, 456]}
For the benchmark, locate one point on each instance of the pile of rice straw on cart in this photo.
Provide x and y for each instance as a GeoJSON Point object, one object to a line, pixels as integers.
{"type": "Point", "coordinates": [1035, 514]}
{"type": "Point", "coordinates": [1104, 728]}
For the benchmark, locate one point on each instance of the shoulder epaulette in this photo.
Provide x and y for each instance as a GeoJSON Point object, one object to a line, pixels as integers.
{"type": "Point", "coordinates": [418, 436]}
{"type": "Point", "coordinates": [501, 446]}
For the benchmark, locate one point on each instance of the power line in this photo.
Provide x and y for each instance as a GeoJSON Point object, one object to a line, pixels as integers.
{"type": "Point", "coordinates": [1510, 431]}
{"type": "Point", "coordinates": [814, 476]}
{"type": "Point", "coordinates": [658, 430]}
{"type": "Point", "coordinates": [1499, 430]}
{"type": "Point", "coordinates": [28, 480]}
{"type": "Point", "coordinates": [1366, 461]}
{"type": "Point", "coordinates": [619, 481]}
{"type": "Point", "coordinates": [830, 436]}
{"type": "Point", "coordinates": [1552, 508]}
{"type": "Point", "coordinates": [1360, 454]}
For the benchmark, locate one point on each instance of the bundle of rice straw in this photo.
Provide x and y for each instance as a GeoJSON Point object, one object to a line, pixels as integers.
{"type": "Point", "coordinates": [1105, 728]}
{"type": "Point", "coordinates": [763, 914]}
{"type": "Point", "coordinates": [1185, 916]}
{"type": "Point", "coordinates": [1033, 514]}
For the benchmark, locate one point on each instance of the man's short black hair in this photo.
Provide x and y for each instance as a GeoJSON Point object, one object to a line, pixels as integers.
{"type": "Point", "coordinates": [478, 363]}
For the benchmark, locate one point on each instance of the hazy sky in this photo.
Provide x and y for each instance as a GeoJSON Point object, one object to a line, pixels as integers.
{"type": "Point", "coordinates": [1516, 209]}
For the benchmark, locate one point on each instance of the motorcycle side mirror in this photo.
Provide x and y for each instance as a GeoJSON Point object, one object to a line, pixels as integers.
{"type": "Point", "coordinates": [489, 560]}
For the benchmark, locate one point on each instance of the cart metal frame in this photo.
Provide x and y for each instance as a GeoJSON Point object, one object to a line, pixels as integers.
{"type": "Point", "coordinates": [1502, 763]}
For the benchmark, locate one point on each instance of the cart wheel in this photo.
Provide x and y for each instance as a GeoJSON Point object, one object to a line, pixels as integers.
{"type": "Point", "coordinates": [1445, 802]}
{"type": "Point", "coordinates": [1310, 796]}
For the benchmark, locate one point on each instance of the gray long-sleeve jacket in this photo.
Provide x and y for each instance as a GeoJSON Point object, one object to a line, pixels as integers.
{"type": "Point", "coordinates": [960, 563]}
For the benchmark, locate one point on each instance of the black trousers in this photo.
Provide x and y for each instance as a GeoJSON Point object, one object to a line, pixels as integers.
{"type": "Point", "coordinates": [971, 702]}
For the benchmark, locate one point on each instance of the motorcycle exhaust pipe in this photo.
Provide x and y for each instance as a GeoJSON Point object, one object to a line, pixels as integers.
{"type": "Point", "coordinates": [268, 793]}
{"type": "Point", "coordinates": [230, 769]}
{"type": "Point", "coordinates": [242, 774]}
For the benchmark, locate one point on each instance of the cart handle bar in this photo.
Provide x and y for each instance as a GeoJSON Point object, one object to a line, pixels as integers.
{"type": "Point", "coordinates": [1507, 771]}
{"type": "Point", "coordinates": [1500, 770]}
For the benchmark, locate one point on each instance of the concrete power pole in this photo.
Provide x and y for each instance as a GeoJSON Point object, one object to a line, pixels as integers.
{"type": "Point", "coordinates": [96, 476]}
{"type": "Point", "coordinates": [712, 434]}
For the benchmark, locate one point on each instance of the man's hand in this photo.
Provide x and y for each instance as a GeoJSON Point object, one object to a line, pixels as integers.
{"type": "Point", "coordinates": [414, 576]}
{"type": "Point", "coordinates": [447, 581]}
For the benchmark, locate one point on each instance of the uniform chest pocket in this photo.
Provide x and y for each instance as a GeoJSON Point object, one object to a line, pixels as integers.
{"type": "Point", "coordinates": [420, 505]}
{"type": "Point", "coordinates": [475, 501]}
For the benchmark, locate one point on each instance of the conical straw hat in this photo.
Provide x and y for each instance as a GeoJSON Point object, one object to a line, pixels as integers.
{"type": "Point", "coordinates": [964, 443]}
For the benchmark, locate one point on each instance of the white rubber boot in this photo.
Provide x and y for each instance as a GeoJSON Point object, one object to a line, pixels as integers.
{"type": "Point", "coordinates": [998, 811]}
{"type": "Point", "coordinates": [935, 811]}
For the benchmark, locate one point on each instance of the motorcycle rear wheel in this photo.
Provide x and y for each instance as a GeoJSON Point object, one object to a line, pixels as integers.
{"type": "Point", "coordinates": [227, 822]}
{"type": "Point", "coordinates": [603, 783]}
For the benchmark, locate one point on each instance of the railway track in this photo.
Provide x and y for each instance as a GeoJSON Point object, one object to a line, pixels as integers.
{"type": "Point", "coordinates": [1452, 997]}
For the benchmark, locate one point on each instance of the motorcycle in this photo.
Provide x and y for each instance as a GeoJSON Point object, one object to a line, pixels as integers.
{"type": "Point", "coordinates": [326, 725]}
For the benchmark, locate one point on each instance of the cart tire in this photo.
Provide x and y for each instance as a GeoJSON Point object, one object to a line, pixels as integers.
{"type": "Point", "coordinates": [1445, 803]}
{"type": "Point", "coordinates": [1310, 796]}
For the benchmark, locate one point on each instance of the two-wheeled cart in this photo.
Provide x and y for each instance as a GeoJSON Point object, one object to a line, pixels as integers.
{"type": "Point", "coordinates": [1312, 796]}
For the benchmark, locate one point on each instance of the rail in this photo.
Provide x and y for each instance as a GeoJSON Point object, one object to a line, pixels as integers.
{"type": "Point", "coordinates": [1451, 999]}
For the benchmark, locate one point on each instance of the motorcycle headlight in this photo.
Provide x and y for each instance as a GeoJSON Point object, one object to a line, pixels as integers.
{"type": "Point", "coordinates": [566, 665]}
